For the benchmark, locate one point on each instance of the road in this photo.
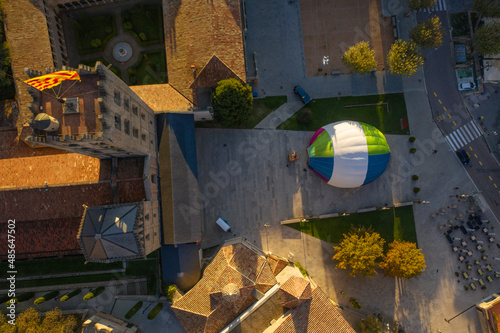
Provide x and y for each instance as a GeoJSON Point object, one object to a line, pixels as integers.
{"type": "Point", "coordinates": [454, 121]}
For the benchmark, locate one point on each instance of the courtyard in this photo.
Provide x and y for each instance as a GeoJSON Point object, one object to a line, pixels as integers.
{"type": "Point", "coordinates": [330, 28]}
{"type": "Point", "coordinates": [127, 36]}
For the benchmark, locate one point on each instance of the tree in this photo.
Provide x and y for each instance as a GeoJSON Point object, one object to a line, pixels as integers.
{"type": "Point", "coordinates": [370, 324]}
{"type": "Point", "coordinates": [420, 4]}
{"type": "Point", "coordinates": [487, 8]}
{"type": "Point", "coordinates": [5, 327]}
{"type": "Point", "coordinates": [428, 34]}
{"type": "Point", "coordinates": [358, 250]}
{"type": "Point", "coordinates": [404, 58]}
{"type": "Point", "coordinates": [403, 260]}
{"type": "Point", "coordinates": [232, 102]}
{"type": "Point", "coordinates": [360, 57]}
{"type": "Point", "coordinates": [30, 321]}
{"type": "Point", "coordinates": [487, 39]}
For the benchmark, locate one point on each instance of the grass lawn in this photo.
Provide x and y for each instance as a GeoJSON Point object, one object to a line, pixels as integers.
{"type": "Point", "coordinates": [87, 29]}
{"type": "Point", "coordinates": [147, 20]}
{"type": "Point", "coordinates": [371, 109]}
{"type": "Point", "coordinates": [151, 69]}
{"type": "Point", "coordinates": [394, 223]}
{"type": "Point", "coordinates": [146, 268]}
{"type": "Point", "coordinates": [261, 108]}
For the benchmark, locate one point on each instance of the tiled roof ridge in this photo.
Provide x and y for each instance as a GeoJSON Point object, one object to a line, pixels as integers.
{"type": "Point", "coordinates": [208, 62]}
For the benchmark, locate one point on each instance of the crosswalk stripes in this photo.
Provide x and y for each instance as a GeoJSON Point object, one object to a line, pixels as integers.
{"type": "Point", "coordinates": [439, 7]}
{"type": "Point", "coordinates": [463, 135]}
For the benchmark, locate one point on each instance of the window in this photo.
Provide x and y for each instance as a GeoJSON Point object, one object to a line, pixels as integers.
{"type": "Point", "coordinates": [118, 122]}
{"type": "Point", "coordinates": [126, 126]}
{"type": "Point", "coordinates": [135, 132]}
{"type": "Point", "coordinates": [118, 100]}
{"type": "Point", "coordinates": [126, 104]}
{"type": "Point", "coordinates": [134, 110]}
{"type": "Point", "coordinates": [146, 217]}
{"type": "Point", "coordinates": [143, 116]}
{"type": "Point", "coordinates": [143, 137]}
{"type": "Point", "coordinates": [153, 180]}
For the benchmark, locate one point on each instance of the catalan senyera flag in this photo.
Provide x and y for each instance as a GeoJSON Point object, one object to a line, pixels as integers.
{"type": "Point", "coordinates": [52, 79]}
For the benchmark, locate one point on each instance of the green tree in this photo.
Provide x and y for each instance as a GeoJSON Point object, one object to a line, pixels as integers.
{"type": "Point", "coordinates": [370, 324]}
{"type": "Point", "coordinates": [487, 8]}
{"type": "Point", "coordinates": [232, 102]}
{"type": "Point", "coordinates": [404, 58]}
{"type": "Point", "coordinates": [358, 250]}
{"type": "Point", "coordinates": [487, 39]}
{"type": "Point", "coordinates": [403, 260]}
{"type": "Point", "coordinates": [420, 4]}
{"type": "Point", "coordinates": [360, 57]}
{"type": "Point", "coordinates": [428, 34]}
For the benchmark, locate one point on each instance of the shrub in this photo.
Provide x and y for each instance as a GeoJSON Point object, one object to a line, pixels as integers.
{"type": "Point", "coordinates": [70, 295]}
{"type": "Point", "coordinates": [46, 297]}
{"type": "Point", "coordinates": [414, 177]}
{"type": "Point", "coordinates": [133, 310]}
{"type": "Point", "coordinates": [171, 289]}
{"type": "Point", "coordinates": [131, 71]}
{"type": "Point", "coordinates": [301, 269]}
{"type": "Point", "coordinates": [304, 116]}
{"type": "Point", "coordinates": [412, 139]}
{"type": "Point", "coordinates": [127, 25]}
{"type": "Point", "coordinates": [108, 30]}
{"type": "Point", "coordinates": [355, 303]}
{"type": "Point", "coordinates": [413, 150]}
{"type": "Point", "coordinates": [96, 42]}
{"type": "Point", "coordinates": [154, 312]}
{"type": "Point", "coordinates": [22, 298]}
{"type": "Point", "coordinates": [93, 293]}
{"type": "Point", "coordinates": [416, 189]}
{"type": "Point", "coordinates": [142, 36]}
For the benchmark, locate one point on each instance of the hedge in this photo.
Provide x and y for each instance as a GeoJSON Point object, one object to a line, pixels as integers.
{"type": "Point", "coordinates": [70, 295]}
{"type": "Point", "coordinates": [301, 269]}
{"type": "Point", "coordinates": [22, 298]}
{"type": "Point", "coordinates": [46, 297]}
{"type": "Point", "coordinates": [133, 310]}
{"type": "Point", "coordinates": [93, 293]}
{"type": "Point", "coordinates": [171, 289]}
{"type": "Point", "coordinates": [154, 312]}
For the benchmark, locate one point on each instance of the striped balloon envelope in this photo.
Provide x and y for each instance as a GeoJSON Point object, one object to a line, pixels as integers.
{"type": "Point", "coordinates": [348, 154]}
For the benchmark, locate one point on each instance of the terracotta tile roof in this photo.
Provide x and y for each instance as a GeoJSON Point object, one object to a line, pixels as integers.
{"type": "Point", "coordinates": [294, 292]}
{"type": "Point", "coordinates": [196, 31]}
{"type": "Point", "coordinates": [314, 316]}
{"type": "Point", "coordinates": [225, 289]}
{"type": "Point", "coordinates": [162, 97]}
{"type": "Point", "coordinates": [277, 264]}
{"type": "Point", "coordinates": [29, 45]}
{"type": "Point", "coordinates": [11, 147]}
{"type": "Point", "coordinates": [214, 71]}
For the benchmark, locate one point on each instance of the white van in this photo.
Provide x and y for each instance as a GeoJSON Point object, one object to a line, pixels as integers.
{"type": "Point", "coordinates": [223, 224]}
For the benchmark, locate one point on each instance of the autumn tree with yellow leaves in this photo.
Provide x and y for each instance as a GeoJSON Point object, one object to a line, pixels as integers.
{"type": "Point", "coordinates": [403, 259]}
{"type": "Point", "coordinates": [360, 58]}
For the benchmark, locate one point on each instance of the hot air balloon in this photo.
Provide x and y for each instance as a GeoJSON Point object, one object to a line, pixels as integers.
{"type": "Point", "coordinates": [348, 154]}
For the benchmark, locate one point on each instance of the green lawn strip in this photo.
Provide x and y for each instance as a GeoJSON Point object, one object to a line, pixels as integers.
{"type": "Point", "coordinates": [150, 69]}
{"type": "Point", "coordinates": [145, 19]}
{"type": "Point", "coordinates": [370, 109]}
{"type": "Point", "coordinates": [394, 223]}
{"type": "Point", "coordinates": [262, 107]}
{"type": "Point", "coordinates": [87, 29]}
{"type": "Point", "coordinates": [146, 268]}
{"type": "Point", "coordinates": [58, 265]}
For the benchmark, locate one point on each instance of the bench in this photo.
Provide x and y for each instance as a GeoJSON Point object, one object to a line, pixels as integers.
{"type": "Point", "coordinates": [481, 282]}
{"type": "Point", "coordinates": [479, 271]}
{"type": "Point", "coordinates": [473, 286]}
{"type": "Point", "coordinates": [465, 275]}
{"type": "Point", "coordinates": [489, 279]}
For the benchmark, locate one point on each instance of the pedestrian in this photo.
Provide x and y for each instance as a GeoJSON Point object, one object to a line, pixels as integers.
{"type": "Point", "coordinates": [434, 151]}
{"type": "Point", "coordinates": [481, 117]}
{"type": "Point", "coordinates": [456, 188]}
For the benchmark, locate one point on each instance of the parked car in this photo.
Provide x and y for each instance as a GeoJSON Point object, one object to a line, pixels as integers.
{"type": "Point", "coordinates": [464, 158]}
{"type": "Point", "coordinates": [303, 95]}
{"type": "Point", "coordinates": [466, 86]}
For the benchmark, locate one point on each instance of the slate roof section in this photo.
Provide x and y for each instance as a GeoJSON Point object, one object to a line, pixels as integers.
{"type": "Point", "coordinates": [162, 97]}
{"type": "Point", "coordinates": [109, 233]}
{"type": "Point", "coordinates": [195, 31]}
{"type": "Point", "coordinates": [294, 292]}
{"type": "Point", "coordinates": [179, 185]}
{"type": "Point", "coordinates": [205, 308]}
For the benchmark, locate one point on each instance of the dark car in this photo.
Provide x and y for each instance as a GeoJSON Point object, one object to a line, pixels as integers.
{"type": "Point", "coordinates": [303, 95]}
{"type": "Point", "coordinates": [464, 158]}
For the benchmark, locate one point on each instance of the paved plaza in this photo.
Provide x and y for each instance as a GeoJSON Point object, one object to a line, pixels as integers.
{"type": "Point", "coordinates": [330, 28]}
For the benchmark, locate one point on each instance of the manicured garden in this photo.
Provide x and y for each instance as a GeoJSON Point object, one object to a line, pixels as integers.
{"type": "Point", "coordinates": [93, 32]}
{"type": "Point", "coordinates": [151, 69]}
{"type": "Point", "coordinates": [145, 23]}
{"type": "Point", "coordinates": [385, 112]}
{"type": "Point", "coordinates": [392, 224]}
